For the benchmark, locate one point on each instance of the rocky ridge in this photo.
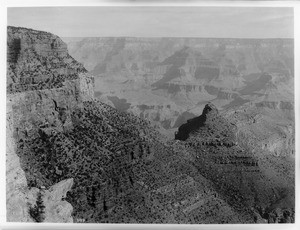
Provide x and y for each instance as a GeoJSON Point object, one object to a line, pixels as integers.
{"type": "Point", "coordinates": [263, 127]}
{"type": "Point", "coordinates": [224, 155]}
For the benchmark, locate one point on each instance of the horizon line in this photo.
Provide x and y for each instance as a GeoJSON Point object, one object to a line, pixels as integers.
{"type": "Point", "coordinates": [179, 37]}
{"type": "Point", "coordinates": [290, 38]}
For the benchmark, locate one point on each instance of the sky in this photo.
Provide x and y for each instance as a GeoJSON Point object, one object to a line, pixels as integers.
{"type": "Point", "coordinates": [153, 21]}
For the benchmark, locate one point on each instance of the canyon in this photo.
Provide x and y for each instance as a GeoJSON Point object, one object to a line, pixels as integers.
{"type": "Point", "coordinates": [91, 137]}
{"type": "Point", "coordinates": [170, 80]}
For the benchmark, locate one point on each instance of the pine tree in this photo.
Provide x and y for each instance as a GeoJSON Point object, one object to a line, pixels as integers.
{"type": "Point", "coordinates": [37, 212]}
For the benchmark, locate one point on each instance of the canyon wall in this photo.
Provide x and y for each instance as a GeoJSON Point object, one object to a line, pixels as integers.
{"type": "Point", "coordinates": [44, 84]}
{"type": "Point", "coordinates": [188, 73]}
{"type": "Point", "coordinates": [87, 162]}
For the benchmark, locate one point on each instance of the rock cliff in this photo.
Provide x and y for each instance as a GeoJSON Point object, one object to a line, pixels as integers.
{"type": "Point", "coordinates": [44, 83]}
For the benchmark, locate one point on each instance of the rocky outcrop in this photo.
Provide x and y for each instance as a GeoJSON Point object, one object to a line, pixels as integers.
{"type": "Point", "coordinates": [43, 91]}
{"type": "Point", "coordinates": [44, 84]}
{"type": "Point", "coordinates": [21, 199]}
{"type": "Point", "coordinates": [38, 60]}
{"type": "Point", "coordinates": [222, 155]}
{"type": "Point", "coordinates": [194, 124]}
{"type": "Point", "coordinates": [57, 209]}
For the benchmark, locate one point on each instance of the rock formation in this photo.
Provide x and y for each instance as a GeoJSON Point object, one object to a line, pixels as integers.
{"type": "Point", "coordinates": [87, 162]}
{"type": "Point", "coordinates": [186, 73]}
{"type": "Point", "coordinates": [194, 124]}
{"type": "Point", "coordinates": [57, 209]}
{"type": "Point", "coordinates": [250, 175]}
{"type": "Point", "coordinates": [43, 84]}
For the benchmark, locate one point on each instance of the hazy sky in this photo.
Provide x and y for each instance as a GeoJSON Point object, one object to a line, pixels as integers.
{"type": "Point", "coordinates": [236, 22]}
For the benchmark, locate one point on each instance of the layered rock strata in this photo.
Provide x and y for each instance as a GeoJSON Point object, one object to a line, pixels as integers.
{"type": "Point", "coordinates": [85, 158]}
{"type": "Point", "coordinates": [188, 72]}
{"type": "Point", "coordinates": [44, 83]}
{"type": "Point", "coordinates": [91, 163]}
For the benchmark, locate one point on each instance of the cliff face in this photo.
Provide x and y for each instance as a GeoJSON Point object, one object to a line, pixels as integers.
{"type": "Point", "coordinates": [44, 84]}
{"type": "Point", "coordinates": [16, 184]}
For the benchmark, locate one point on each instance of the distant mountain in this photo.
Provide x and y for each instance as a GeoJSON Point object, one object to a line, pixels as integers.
{"type": "Point", "coordinates": [180, 75]}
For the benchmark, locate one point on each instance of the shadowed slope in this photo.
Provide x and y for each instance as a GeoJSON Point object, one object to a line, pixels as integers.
{"type": "Point", "coordinates": [234, 169]}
